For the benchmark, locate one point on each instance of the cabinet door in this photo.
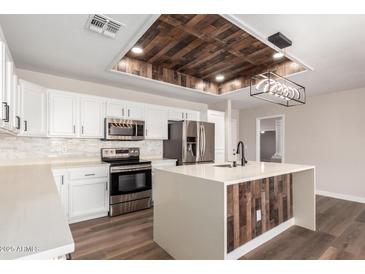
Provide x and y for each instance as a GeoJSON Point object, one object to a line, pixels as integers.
{"type": "Point", "coordinates": [91, 117]}
{"type": "Point", "coordinates": [62, 114]}
{"type": "Point", "coordinates": [192, 115]}
{"type": "Point", "coordinates": [87, 197]}
{"type": "Point", "coordinates": [33, 105]}
{"type": "Point", "coordinates": [2, 82]}
{"type": "Point", "coordinates": [14, 115]}
{"type": "Point", "coordinates": [8, 102]}
{"type": "Point", "coordinates": [176, 114]}
{"type": "Point", "coordinates": [134, 111]}
{"type": "Point", "coordinates": [156, 123]}
{"type": "Point", "coordinates": [116, 109]}
{"type": "Point", "coordinates": [59, 179]}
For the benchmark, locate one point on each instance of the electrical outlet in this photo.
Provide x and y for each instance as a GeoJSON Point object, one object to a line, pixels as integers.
{"type": "Point", "coordinates": [258, 215]}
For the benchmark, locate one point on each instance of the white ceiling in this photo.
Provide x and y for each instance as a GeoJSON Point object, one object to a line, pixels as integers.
{"type": "Point", "coordinates": [60, 44]}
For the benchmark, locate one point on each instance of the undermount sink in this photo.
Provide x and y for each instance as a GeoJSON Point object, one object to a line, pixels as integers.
{"type": "Point", "coordinates": [224, 165]}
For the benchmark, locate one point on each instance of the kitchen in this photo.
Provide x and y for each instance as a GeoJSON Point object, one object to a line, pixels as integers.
{"type": "Point", "coordinates": [102, 155]}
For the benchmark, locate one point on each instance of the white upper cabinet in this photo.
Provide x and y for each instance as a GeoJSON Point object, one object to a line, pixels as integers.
{"type": "Point", "coordinates": [63, 114]}
{"type": "Point", "coordinates": [177, 114]}
{"type": "Point", "coordinates": [7, 93]}
{"type": "Point", "coordinates": [2, 83]}
{"type": "Point", "coordinates": [125, 110]}
{"type": "Point", "coordinates": [134, 111]}
{"type": "Point", "coordinates": [192, 115]}
{"type": "Point", "coordinates": [92, 117]}
{"type": "Point", "coordinates": [156, 122]}
{"type": "Point", "coordinates": [33, 109]}
{"type": "Point", "coordinates": [115, 108]}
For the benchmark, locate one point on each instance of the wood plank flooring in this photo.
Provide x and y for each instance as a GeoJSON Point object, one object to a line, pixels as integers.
{"type": "Point", "coordinates": [340, 235]}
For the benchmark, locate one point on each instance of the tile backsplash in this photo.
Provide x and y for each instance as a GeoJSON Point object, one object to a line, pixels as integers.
{"type": "Point", "coordinates": [24, 148]}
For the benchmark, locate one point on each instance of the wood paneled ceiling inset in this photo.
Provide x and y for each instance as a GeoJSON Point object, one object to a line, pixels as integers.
{"type": "Point", "coordinates": [190, 50]}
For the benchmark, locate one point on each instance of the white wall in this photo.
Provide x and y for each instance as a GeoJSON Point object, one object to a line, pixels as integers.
{"type": "Point", "coordinates": [328, 132]}
{"type": "Point", "coordinates": [73, 85]}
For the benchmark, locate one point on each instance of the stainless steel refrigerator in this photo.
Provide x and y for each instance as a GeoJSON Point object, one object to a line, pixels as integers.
{"type": "Point", "coordinates": [190, 142]}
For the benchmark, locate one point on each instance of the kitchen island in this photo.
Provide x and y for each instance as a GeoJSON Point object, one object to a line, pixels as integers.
{"type": "Point", "coordinates": [210, 212]}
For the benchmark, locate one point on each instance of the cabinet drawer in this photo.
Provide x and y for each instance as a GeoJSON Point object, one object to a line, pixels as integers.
{"type": "Point", "coordinates": [88, 172]}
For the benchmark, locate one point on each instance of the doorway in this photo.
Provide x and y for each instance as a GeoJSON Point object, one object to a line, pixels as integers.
{"type": "Point", "coordinates": [270, 139]}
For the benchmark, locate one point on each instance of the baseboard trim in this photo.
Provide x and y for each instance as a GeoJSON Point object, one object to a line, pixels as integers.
{"type": "Point", "coordinates": [341, 196]}
{"type": "Point", "coordinates": [251, 245]}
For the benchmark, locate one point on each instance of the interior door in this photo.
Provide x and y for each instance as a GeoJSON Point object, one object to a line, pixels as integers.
{"type": "Point", "coordinates": [208, 141]}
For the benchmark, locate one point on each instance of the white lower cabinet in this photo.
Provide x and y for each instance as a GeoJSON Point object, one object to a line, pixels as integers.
{"type": "Point", "coordinates": [87, 199]}
{"type": "Point", "coordinates": [60, 181]}
{"type": "Point", "coordinates": [84, 192]}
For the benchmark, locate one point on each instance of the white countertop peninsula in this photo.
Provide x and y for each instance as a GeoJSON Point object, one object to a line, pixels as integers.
{"type": "Point", "coordinates": [209, 212]}
{"type": "Point", "coordinates": [32, 224]}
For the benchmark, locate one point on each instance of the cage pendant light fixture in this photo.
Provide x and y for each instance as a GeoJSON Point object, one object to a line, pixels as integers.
{"type": "Point", "coordinates": [274, 88]}
{"type": "Point", "coordinates": [271, 87]}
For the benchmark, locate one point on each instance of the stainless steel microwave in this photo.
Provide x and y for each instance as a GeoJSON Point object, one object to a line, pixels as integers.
{"type": "Point", "coordinates": [123, 129]}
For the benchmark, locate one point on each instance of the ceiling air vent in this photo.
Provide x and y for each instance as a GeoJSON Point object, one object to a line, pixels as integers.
{"type": "Point", "coordinates": [103, 25]}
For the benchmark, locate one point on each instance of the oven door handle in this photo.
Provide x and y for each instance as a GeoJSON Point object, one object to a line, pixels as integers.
{"type": "Point", "coordinates": [128, 170]}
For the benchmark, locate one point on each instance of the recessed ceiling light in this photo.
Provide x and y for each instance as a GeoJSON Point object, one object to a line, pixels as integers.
{"type": "Point", "coordinates": [278, 55]}
{"type": "Point", "coordinates": [137, 50]}
{"type": "Point", "coordinates": [219, 78]}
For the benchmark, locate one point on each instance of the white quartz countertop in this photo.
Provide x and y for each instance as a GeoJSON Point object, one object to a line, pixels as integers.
{"type": "Point", "coordinates": [251, 171]}
{"type": "Point", "coordinates": [32, 223]}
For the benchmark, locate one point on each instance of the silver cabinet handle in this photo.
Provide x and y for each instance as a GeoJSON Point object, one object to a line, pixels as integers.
{"type": "Point", "coordinates": [82, 129]}
{"type": "Point", "coordinates": [62, 182]}
{"type": "Point", "coordinates": [122, 111]}
{"type": "Point", "coordinates": [182, 115]}
{"type": "Point", "coordinates": [129, 113]}
{"type": "Point", "coordinates": [7, 111]}
{"type": "Point", "coordinates": [74, 129]}
{"type": "Point", "coordinates": [18, 123]}
{"type": "Point", "coordinates": [106, 185]}
{"type": "Point", "coordinates": [186, 116]}
{"type": "Point", "coordinates": [90, 174]}
{"type": "Point", "coordinates": [25, 125]}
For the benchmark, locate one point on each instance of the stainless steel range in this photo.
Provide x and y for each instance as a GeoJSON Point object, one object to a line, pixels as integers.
{"type": "Point", "coordinates": [130, 180]}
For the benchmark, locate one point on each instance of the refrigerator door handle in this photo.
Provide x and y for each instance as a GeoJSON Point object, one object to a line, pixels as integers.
{"type": "Point", "coordinates": [199, 142]}
{"type": "Point", "coordinates": [204, 140]}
